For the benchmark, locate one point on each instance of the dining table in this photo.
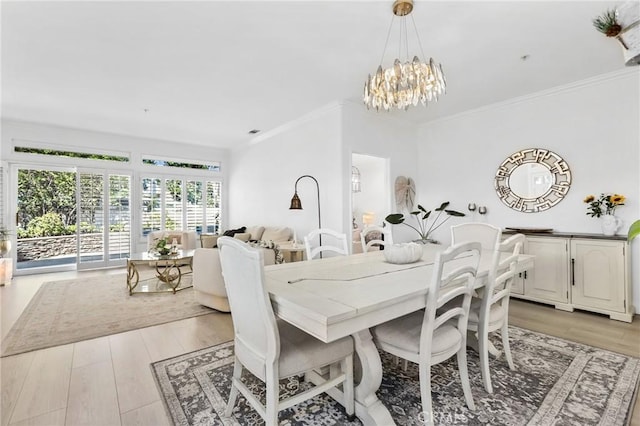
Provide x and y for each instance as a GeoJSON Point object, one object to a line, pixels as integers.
{"type": "Point", "coordinates": [338, 296]}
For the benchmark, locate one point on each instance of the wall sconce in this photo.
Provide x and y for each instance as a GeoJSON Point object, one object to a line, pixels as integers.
{"type": "Point", "coordinates": [355, 179]}
{"type": "Point", "coordinates": [296, 204]}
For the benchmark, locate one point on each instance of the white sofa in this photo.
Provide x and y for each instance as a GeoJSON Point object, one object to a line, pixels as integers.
{"type": "Point", "coordinates": [208, 283]}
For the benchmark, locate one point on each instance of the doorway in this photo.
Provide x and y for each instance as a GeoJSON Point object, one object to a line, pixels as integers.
{"type": "Point", "coordinates": [370, 194]}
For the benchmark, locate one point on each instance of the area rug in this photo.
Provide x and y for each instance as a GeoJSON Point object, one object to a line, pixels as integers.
{"type": "Point", "coordinates": [69, 311]}
{"type": "Point", "coordinates": [555, 382]}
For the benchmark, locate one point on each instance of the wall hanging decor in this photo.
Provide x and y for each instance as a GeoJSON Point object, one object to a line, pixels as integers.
{"type": "Point", "coordinates": [405, 191]}
{"type": "Point", "coordinates": [532, 180]}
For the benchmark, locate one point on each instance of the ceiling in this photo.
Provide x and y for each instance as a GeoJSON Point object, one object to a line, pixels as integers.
{"type": "Point", "coordinates": [208, 72]}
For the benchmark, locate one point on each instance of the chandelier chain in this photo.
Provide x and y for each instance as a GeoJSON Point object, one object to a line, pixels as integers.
{"type": "Point", "coordinates": [387, 41]}
{"type": "Point", "coordinates": [419, 42]}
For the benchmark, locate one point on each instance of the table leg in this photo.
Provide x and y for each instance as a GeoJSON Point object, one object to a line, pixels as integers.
{"type": "Point", "coordinates": [368, 407]}
{"type": "Point", "coordinates": [132, 276]}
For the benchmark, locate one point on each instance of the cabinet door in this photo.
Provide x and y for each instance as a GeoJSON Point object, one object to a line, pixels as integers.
{"type": "Point", "coordinates": [598, 274]}
{"type": "Point", "coordinates": [517, 286]}
{"type": "Point", "coordinates": [549, 278]}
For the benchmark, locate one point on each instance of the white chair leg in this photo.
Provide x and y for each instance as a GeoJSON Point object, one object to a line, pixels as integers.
{"type": "Point", "coordinates": [272, 398]}
{"type": "Point", "coordinates": [405, 365]}
{"type": "Point", "coordinates": [233, 393]}
{"type": "Point", "coordinates": [425, 393]}
{"type": "Point", "coordinates": [464, 377]}
{"type": "Point", "coordinates": [348, 388]}
{"type": "Point", "coordinates": [505, 345]}
{"type": "Point", "coordinates": [483, 350]}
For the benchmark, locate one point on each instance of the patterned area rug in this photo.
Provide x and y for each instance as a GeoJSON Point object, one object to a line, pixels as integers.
{"type": "Point", "coordinates": [69, 311]}
{"type": "Point", "coordinates": [555, 382]}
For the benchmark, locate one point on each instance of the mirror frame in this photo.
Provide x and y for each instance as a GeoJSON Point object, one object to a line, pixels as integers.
{"type": "Point", "coordinates": [559, 188]}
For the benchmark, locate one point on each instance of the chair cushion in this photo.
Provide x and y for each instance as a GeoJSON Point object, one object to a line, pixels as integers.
{"type": "Point", "coordinates": [496, 313]}
{"type": "Point", "coordinates": [404, 333]}
{"type": "Point", "coordinates": [301, 352]}
{"type": "Point", "coordinates": [276, 234]}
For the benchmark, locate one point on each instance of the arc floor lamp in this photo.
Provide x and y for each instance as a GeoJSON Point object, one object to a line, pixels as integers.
{"type": "Point", "coordinates": [296, 204]}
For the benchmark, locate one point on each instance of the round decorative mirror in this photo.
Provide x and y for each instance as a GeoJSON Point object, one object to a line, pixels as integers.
{"type": "Point", "coordinates": [533, 180]}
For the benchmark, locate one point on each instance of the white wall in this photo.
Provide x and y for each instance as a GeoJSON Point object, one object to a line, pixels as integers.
{"type": "Point", "coordinates": [593, 125]}
{"type": "Point", "coordinates": [263, 175]}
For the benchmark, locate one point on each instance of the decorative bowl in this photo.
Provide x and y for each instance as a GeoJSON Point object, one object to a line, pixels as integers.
{"type": "Point", "coordinates": [402, 253]}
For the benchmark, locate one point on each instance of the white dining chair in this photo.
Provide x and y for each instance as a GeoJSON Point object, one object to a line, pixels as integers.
{"type": "Point", "coordinates": [272, 349]}
{"type": "Point", "coordinates": [337, 243]}
{"type": "Point", "coordinates": [488, 235]}
{"type": "Point", "coordinates": [491, 312]}
{"type": "Point", "coordinates": [429, 337]}
{"type": "Point", "coordinates": [376, 236]}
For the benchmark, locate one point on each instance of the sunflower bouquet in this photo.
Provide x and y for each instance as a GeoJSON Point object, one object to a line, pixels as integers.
{"type": "Point", "coordinates": [603, 205]}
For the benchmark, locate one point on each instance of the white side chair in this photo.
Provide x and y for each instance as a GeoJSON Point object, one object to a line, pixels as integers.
{"type": "Point", "coordinates": [430, 337]}
{"type": "Point", "coordinates": [272, 349]}
{"type": "Point", "coordinates": [338, 243]}
{"type": "Point", "coordinates": [487, 235]}
{"type": "Point", "coordinates": [491, 312]}
{"type": "Point", "coordinates": [375, 229]}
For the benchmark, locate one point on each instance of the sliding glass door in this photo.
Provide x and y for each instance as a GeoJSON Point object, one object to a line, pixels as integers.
{"type": "Point", "coordinates": [104, 231]}
{"type": "Point", "coordinates": [68, 218]}
{"type": "Point", "coordinates": [46, 216]}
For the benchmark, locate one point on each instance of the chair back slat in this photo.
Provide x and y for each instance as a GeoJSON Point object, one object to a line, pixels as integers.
{"type": "Point", "coordinates": [502, 273]}
{"type": "Point", "coordinates": [338, 239]}
{"type": "Point", "coordinates": [456, 285]}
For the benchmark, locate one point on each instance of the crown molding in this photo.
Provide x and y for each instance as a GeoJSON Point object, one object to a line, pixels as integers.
{"type": "Point", "coordinates": [566, 88]}
{"type": "Point", "coordinates": [379, 115]}
{"type": "Point", "coordinates": [313, 115]}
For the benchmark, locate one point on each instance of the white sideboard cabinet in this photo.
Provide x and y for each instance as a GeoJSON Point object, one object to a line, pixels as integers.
{"type": "Point", "coordinates": [578, 271]}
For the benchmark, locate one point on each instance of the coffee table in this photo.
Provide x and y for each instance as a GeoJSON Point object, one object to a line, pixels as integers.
{"type": "Point", "coordinates": [169, 271]}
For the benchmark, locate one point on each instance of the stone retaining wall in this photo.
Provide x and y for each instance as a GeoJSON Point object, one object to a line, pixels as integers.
{"type": "Point", "coordinates": [48, 247]}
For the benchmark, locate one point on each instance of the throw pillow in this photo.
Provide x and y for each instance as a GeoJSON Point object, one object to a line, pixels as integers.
{"type": "Point", "coordinates": [276, 234]}
{"type": "Point", "coordinates": [232, 232]}
{"type": "Point", "coordinates": [256, 232]}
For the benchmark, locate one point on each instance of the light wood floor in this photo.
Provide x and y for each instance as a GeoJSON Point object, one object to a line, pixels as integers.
{"type": "Point", "coordinates": [108, 381]}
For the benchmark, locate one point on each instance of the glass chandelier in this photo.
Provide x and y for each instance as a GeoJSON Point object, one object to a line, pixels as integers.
{"type": "Point", "coordinates": [405, 83]}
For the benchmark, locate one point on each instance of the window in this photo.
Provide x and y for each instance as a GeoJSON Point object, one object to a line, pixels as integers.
{"type": "Point", "coordinates": [71, 154]}
{"type": "Point", "coordinates": [175, 203]}
{"type": "Point", "coordinates": [213, 166]}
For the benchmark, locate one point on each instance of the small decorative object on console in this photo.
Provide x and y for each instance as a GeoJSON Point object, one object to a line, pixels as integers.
{"type": "Point", "coordinates": [605, 207]}
{"type": "Point", "coordinates": [605, 204]}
